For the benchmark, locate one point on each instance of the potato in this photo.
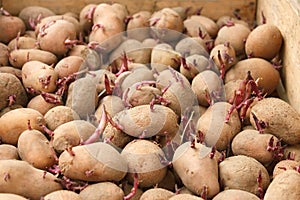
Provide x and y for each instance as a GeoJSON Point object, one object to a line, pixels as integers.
{"type": "Point", "coordinates": [143, 158]}
{"type": "Point", "coordinates": [185, 197]}
{"type": "Point", "coordinates": [285, 165]}
{"type": "Point", "coordinates": [71, 134]}
{"type": "Point", "coordinates": [210, 26]}
{"type": "Point", "coordinates": [9, 196]}
{"type": "Point", "coordinates": [85, 17]}
{"type": "Point", "coordinates": [163, 56]}
{"type": "Point", "coordinates": [189, 46]}
{"type": "Point", "coordinates": [156, 194]}
{"type": "Point", "coordinates": [10, 131]}
{"type": "Point", "coordinates": [234, 194]}
{"type": "Point", "coordinates": [30, 34]}
{"type": "Point", "coordinates": [193, 28]}
{"type": "Point", "coordinates": [230, 87]}
{"type": "Point", "coordinates": [260, 69]}
{"type": "Point", "coordinates": [142, 120]}
{"type": "Point", "coordinates": [169, 182]}
{"type": "Point", "coordinates": [10, 85]}
{"type": "Point", "coordinates": [40, 104]}
{"type": "Point", "coordinates": [281, 118]}
{"type": "Point", "coordinates": [11, 70]}
{"type": "Point", "coordinates": [118, 138]}
{"type": "Point", "coordinates": [194, 65]}
{"type": "Point", "coordinates": [34, 13]}
{"type": "Point", "coordinates": [82, 97]}
{"type": "Point", "coordinates": [51, 32]}
{"type": "Point", "coordinates": [166, 24]}
{"type": "Point", "coordinates": [205, 84]}
{"type": "Point", "coordinates": [241, 172]}
{"type": "Point", "coordinates": [284, 186]}
{"type": "Point", "coordinates": [243, 144]}
{"type": "Point", "coordinates": [72, 14]}
{"type": "Point", "coordinates": [35, 148]}
{"type": "Point", "coordinates": [8, 152]}
{"type": "Point", "coordinates": [236, 35]}
{"type": "Point", "coordinates": [59, 115]}
{"type": "Point", "coordinates": [113, 104]}
{"type": "Point", "coordinates": [10, 26]}
{"type": "Point", "coordinates": [23, 42]}
{"type": "Point", "coordinates": [194, 166]}
{"type": "Point", "coordinates": [127, 189]}
{"type": "Point", "coordinates": [4, 52]}
{"type": "Point", "coordinates": [23, 179]}
{"type": "Point", "coordinates": [264, 42]}
{"type": "Point", "coordinates": [19, 57]}
{"type": "Point", "coordinates": [227, 55]}
{"type": "Point", "coordinates": [138, 26]}
{"type": "Point", "coordinates": [100, 78]}
{"type": "Point", "coordinates": [102, 191]}
{"type": "Point", "coordinates": [121, 10]}
{"type": "Point", "coordinates": [102, 163]}
{"type": "Point", "coordinates": [292, 149]}
{"type": "Point", "coordinates": [69, 65]}
{"type": "Point", "coordinates": [224, 20]}
{"type": "Point", "coordinates": [165, 77]}
{"type": "Point", "coordinates": [39, 76]}
{"type": "Point", "coordinates": [62, 195]}
{"type": "Point", "coordinates": [9, 108]}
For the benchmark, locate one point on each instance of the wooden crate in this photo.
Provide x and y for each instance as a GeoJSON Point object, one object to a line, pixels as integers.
{"type": "Point", "coordinates": [285, 14]}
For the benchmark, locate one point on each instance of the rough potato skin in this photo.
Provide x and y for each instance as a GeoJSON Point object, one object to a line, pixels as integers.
{"type": "Point", "coordinates": [35, 148]}
{"type": "Point", "coordinates": [282, 119]}
{"type": "Point", "coordinates": [241, 172]}
{"type": "Point", "coordinates": [23, 179]}
{"type": "Point", "coordinates": [234, 194]}
{"type": "Point", "coordinates": [292, 149]}
{"type": "Point", "coordinates": [4, 50]}
{"type": "Point", "coordinates": [38, 103]}
{"type": "Point", "coordinates": [93, 162]}
{"type": "Point", "coordinates": [62, 195]}
{"type": "Point", "coordinates": [59, 115]}
{"type": "Point", "coordinates": [102, 191]}
{"type": "Point", "coordinates": [8, 152]}
{"type": "Point", "coordinates": [285, 186]}
{"type": "Point", "coordinates": [11, 85]}
{"type": "Point", "coordinates": [157, 194]}
{"type": "Point", "coordinates": [284, 165]}
{"type": "Point", "coordinates": [10, 131]}
{"type": "Point", "coordinates": [196, 169]}
{"type": "Point", "coordinates": [10, 26]}
{"type": "Point", "coordinates": [142, 158]}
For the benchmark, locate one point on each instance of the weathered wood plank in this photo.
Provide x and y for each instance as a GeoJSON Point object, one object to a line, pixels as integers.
{"type": "Point", "coordinates": [211, 8]}
{"type": "Point", "coordinates": [285, 14]}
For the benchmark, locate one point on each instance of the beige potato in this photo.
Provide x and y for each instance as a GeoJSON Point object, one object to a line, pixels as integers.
{"type": "Point", "coordinates": [227, 54]}
{"type": "Point", "coordinates": [23, 42]}
{"type": "Point", "coordinates": [102, 191]}
{"type": "Point", "coordinates": [62, 195]}
{"type": "Point", "coordinates": [10, 131]}
{"type": "Point", "coordinates": [8, 152]}
{"type": "Point", "coordinates": [11, 70]}
{"type": "Point", "coordinates": [185, 197]}
{"type": "Point", "coordinates": [69, 65]}
{"type": "Point", "coordinates": [210, 26]}
{"type": "Point", "coordinates": [156, 194]}
{"type": "Point", "coordinates": [23, 179]}
{"type": "Point", "coordinates": [40, 104]}
{"type": "Point", "coordinates": [138, 25]}
{"type": "Point", "coordinates": [233, 194]}
{"type": "Point", "coordinates": [285, 165]}
{"type": "Point", "coordinates": [293, 150]}
{"type": "Point", "coordinates": [9, 196]}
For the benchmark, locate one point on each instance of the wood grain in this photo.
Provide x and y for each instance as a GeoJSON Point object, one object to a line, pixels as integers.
{"type": "Point", "coordinates": [285, 14]}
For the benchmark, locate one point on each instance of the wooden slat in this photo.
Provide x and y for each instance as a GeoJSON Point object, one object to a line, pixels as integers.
{"type": "Point", "coordinates": [211, 8]}
{"type": "Point", "coordinates": [285, 14]}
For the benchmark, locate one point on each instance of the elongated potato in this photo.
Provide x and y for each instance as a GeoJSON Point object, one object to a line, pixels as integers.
{"type": "Point", "coordinates": [23, 179]}
{"type": "Point", "coordinates": [10, 132]}
{"type": "Point", "coordinates": [102, 191]}
{"type": "Point", "coordinates": [93, 162]}
{"type": "Point", "coordinates": [194, 166]}
{"type": "Point", "coordinates": [62, 195]}
{"type": "Point", "coordinates": [241, 172]}
{"type": "Point", "coordinates": [284, 186]}
{"type": "Point", "coordinates": [34, 148]}
{"type": "Point", "coordinates": [282, 119]}
{"type": "Point", "coordinates": [8, 152]}
{"type": "Point", "coordinates": [23, 42]}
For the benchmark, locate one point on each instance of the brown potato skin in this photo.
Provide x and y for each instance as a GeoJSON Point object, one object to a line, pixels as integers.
{"type": "Point", "coordinates": [294, 149]}
{"type": "Point", "coordinates": [10, 26]}
{"type": "Point", "coordinates": [69, 65]}
{"type": "Point", "coordinates": [283, 120]}
{"type": "Point", "coordinates": [141, 156]}
{"type": "Point", "coordinates": [138, 21]}
{"type": "Point", "coordinates": [234, 194]}
{"type": "Point", "coordinates": [25, 180]}
{"type": "Point", "coordinates": [4, 50]}
{"type": "Point", "coordinates": [90, 163]}
{"type": "Point", "coordinates": [11, 70]}
{"type": "Point", "coordinates": [19, 57]}
{"type": "Point", "coordinates": [252, 143]}
{"type": "Point", "coordinates": [284, 186]}
{"type": "Point", "coordinates": [156, 194]}
{"type": "Point", "coordinates": [38, 103]}
{"type": "Point", "coordinates": [284, 165]}
{"type": "Point", "coordinates": [10, 132]}
{"type": "Point", "coordinates": [59, 115]}
{"type": "Point", "coordinates": [260, 69]}
{"type": "Point", "coordinates": [11, 85]}
{"type": "Point", "coordinates": [62, 195]}
{"type": "Point", "coordinates": [102, 191]}
{"type": "Point", "coordinates": [8, 152]}
{"type": "Point", "coordinates": [185, 197]}
{"type": "Point", "coordinates": [264, 42]}
{"type": "Point", "coordinates": [35, 148]}
{"type": "Point", "coordinates": [241, 172]}
{"type": "Point", "coordinates": [24, 42]}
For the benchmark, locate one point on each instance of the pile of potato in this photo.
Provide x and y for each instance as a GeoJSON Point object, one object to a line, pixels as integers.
{"type": "Point", "coordinates": [151, 106]}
